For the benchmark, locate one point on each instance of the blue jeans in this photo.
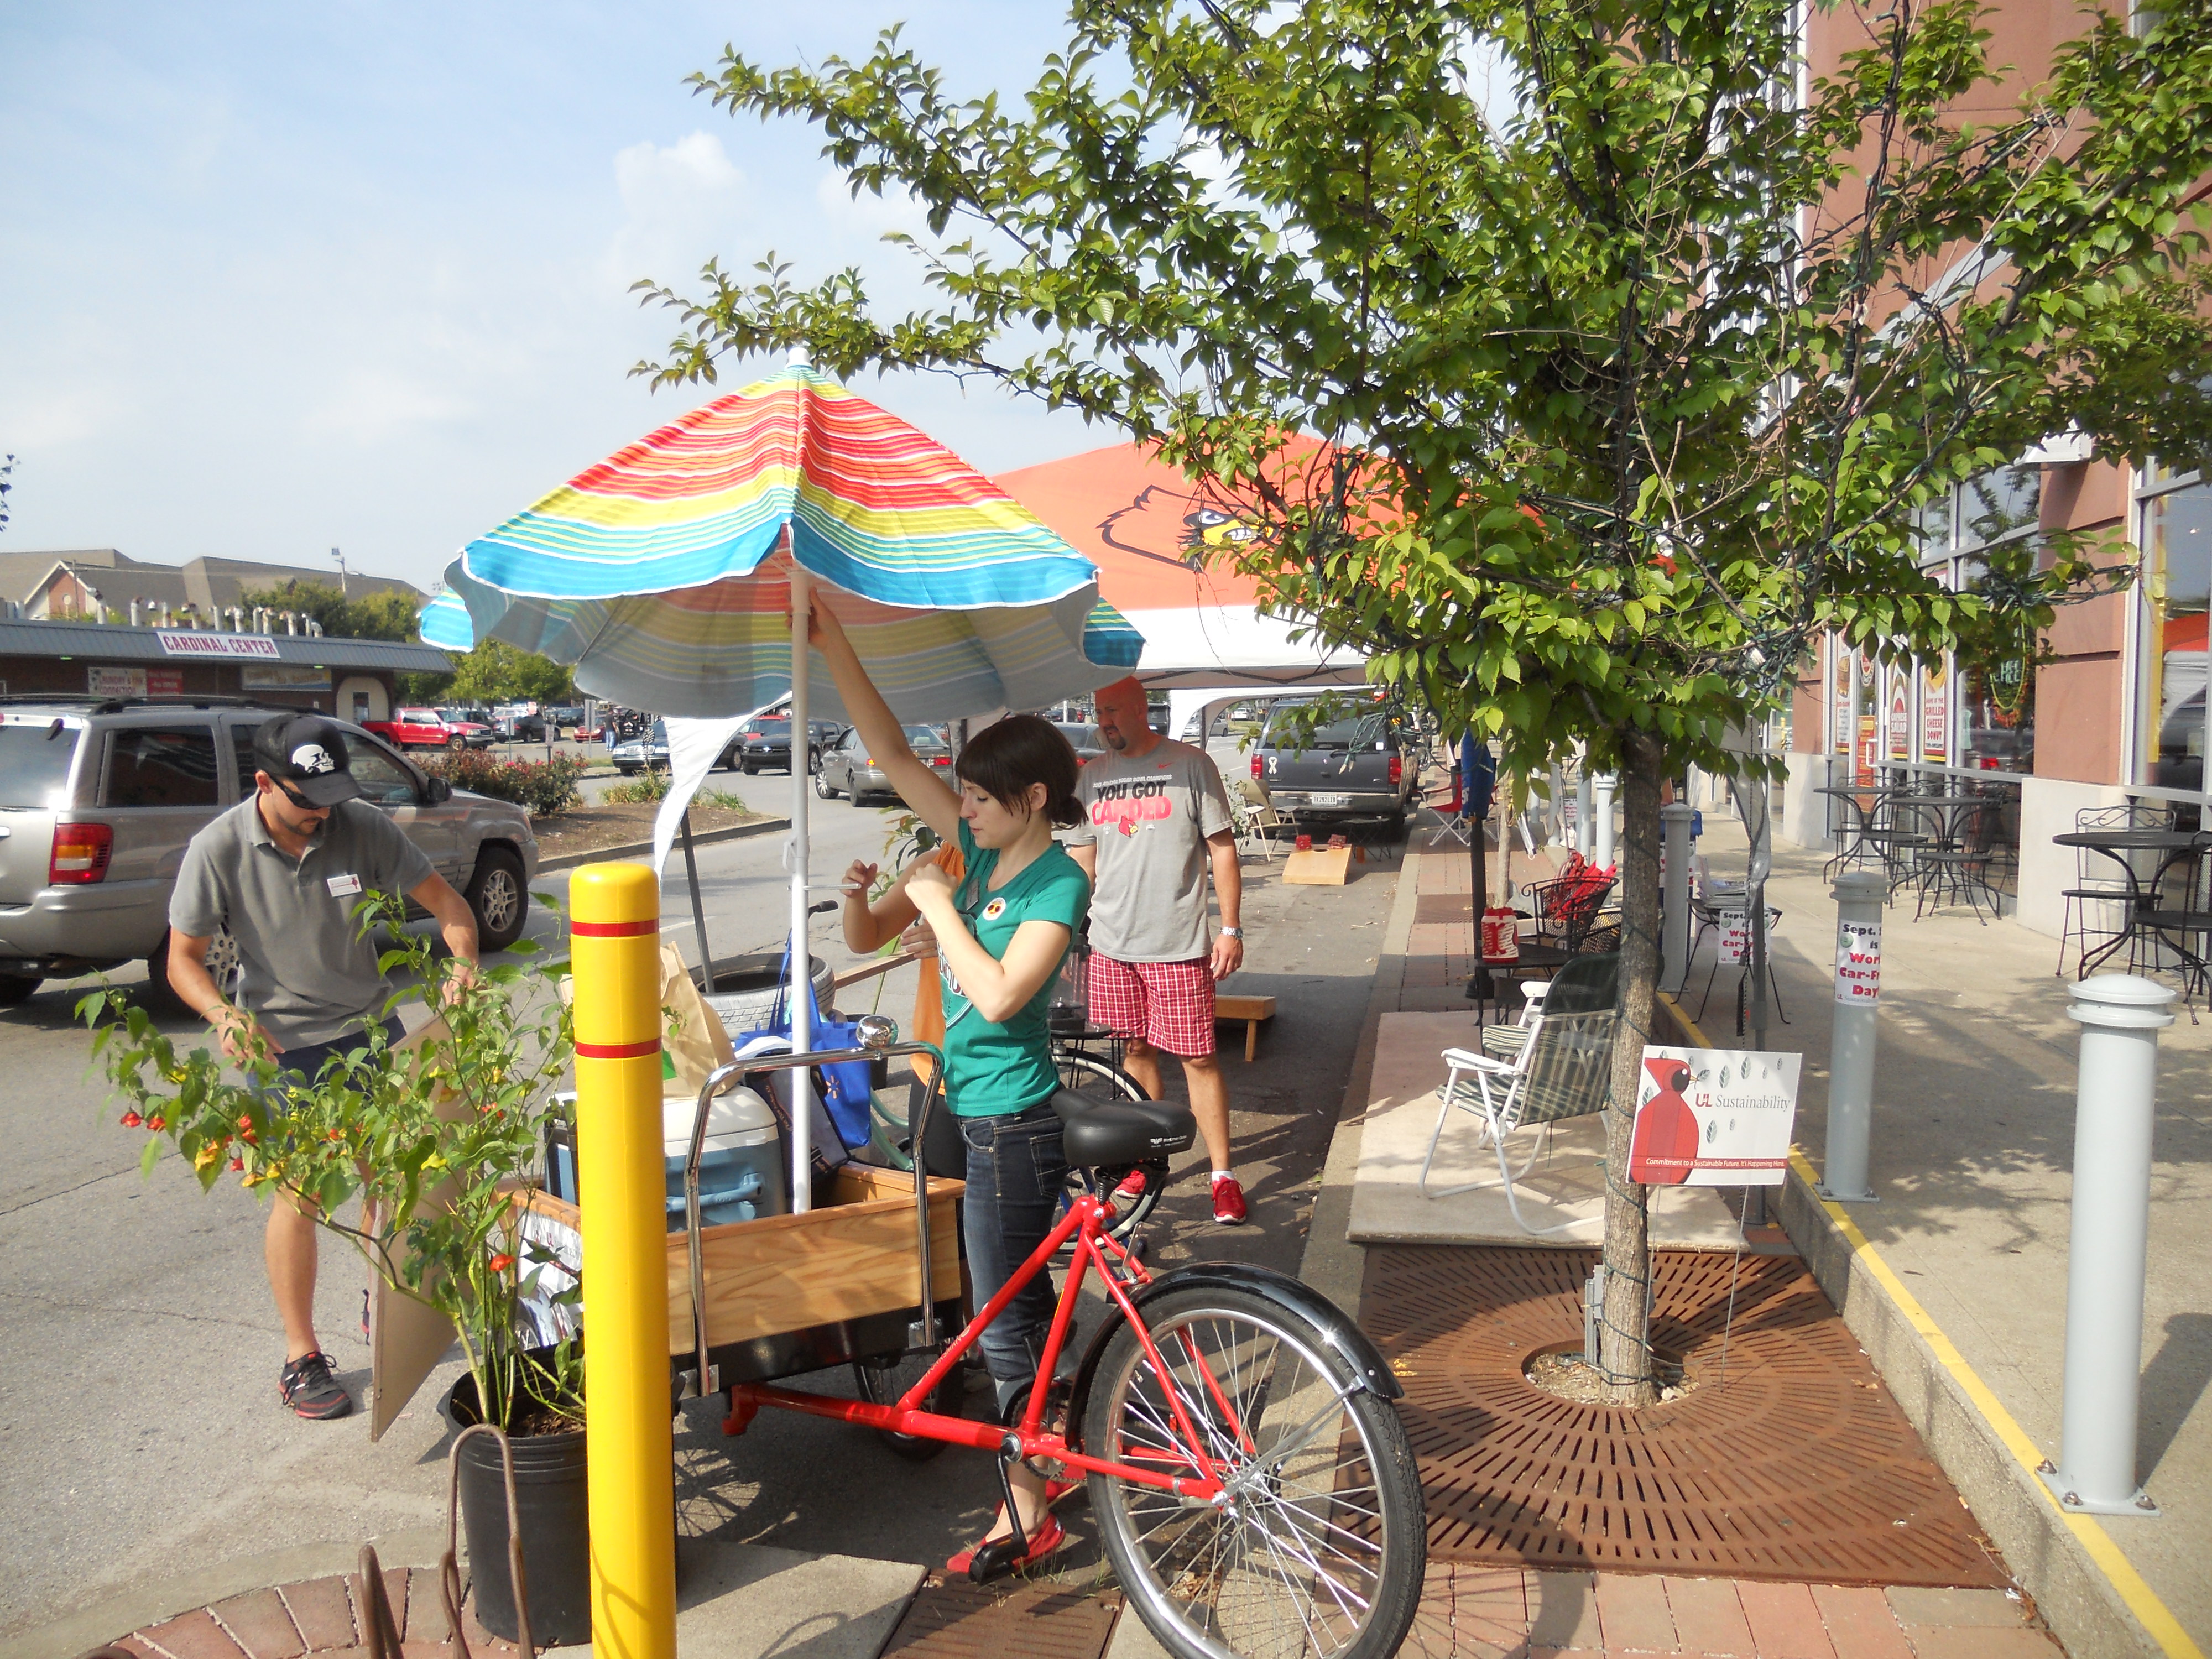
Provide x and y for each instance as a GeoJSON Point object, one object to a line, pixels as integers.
{"type": "Point", "coordinates": [1015, 1172]}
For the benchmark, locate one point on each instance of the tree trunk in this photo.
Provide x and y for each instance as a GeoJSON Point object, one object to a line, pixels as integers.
{"type": "Point", "coordinates": [1624, 1349]}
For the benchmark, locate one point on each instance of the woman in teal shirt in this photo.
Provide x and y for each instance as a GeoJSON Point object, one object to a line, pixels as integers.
{"type": "Point", "coordinates": [1002, 928]}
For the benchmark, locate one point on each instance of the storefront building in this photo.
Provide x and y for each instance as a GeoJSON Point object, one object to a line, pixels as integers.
{"type": "Point", "coordinates": [352, 678]}
{"type": "Point", "coordinates": [2117, 712]}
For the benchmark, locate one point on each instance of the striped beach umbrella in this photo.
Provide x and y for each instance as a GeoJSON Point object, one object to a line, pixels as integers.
{"type": "Point", "coordinates": [663, 574]}
{"type": "Point", "coordinates": [675, 576]}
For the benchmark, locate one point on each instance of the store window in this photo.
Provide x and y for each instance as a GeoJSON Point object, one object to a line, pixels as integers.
{"type": "Point", "coordinates": [2177, 589]}
{"type": "Point", "coordinates": [1980, 715]}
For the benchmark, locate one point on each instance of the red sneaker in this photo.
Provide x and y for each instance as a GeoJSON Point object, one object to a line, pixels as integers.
{"type": "Point", "coordinates": [1132, 1185]}
{"type": "Point", "coordinates": [1228, 1202]}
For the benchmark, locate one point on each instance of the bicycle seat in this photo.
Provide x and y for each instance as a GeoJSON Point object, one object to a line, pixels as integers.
{"type": "Point", "coordinates": [1096, 1131]}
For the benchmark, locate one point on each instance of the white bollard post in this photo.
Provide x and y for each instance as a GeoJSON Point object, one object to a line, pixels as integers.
{"type": "Point", "coordinates": [1674, 895]}
{"type": "Point", "coordinates": [1602, 820]}
{"type": "Point", "coordinates": [1860, 896]}
{"type": "Point", "coordinates": [1582, 841]}
{"type": "Point", "coordinates": [2121, 1016]}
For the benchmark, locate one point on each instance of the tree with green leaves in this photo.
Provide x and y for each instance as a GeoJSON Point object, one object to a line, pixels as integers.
{"type": "Point", "coordinates": [1631, 350]}
{"type": "Point", "coordinates": [388, 613]}
{"type": "Point", "coordinates": [496, 671]}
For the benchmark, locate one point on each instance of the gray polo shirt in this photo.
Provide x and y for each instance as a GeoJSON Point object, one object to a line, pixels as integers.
{"type": "Point", "coordinates": [309, 975]}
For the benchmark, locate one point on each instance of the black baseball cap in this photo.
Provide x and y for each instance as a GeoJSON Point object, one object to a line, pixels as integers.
{"type": "Point", "coordinates": [307, 753]}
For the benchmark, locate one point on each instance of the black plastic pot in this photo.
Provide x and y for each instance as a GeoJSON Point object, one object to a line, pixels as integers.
{"type": "Point", "coordinates": [551, 1502]}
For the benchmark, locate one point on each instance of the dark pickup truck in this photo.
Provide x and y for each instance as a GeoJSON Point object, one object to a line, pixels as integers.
{"type": "Point", "coordinates": [1358, 765]}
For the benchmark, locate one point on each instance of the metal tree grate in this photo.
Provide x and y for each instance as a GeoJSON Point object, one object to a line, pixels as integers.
{"type": "Point", "coordinates": [1800, 1467]}
{"type": "Point", "coordinates": [953, 1618]}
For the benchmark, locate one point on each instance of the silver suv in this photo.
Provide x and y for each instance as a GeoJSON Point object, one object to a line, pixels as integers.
{"type": "Point", "coordinates": [98, 797]}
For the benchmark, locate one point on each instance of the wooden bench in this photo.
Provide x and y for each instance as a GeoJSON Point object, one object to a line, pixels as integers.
{"type": "Point", "coordinates": [1251, 1010]}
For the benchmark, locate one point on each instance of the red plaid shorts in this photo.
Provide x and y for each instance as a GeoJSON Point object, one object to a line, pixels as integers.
{"type": "Point", "coordinates": [1169, 1004]}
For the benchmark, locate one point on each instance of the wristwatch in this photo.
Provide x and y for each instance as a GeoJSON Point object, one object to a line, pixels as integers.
{"type": "Point", "coordinates": [1233, 932]}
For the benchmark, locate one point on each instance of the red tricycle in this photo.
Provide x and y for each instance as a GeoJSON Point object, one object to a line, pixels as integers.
{"type": "Point", "coordinates": [1253, 1485]}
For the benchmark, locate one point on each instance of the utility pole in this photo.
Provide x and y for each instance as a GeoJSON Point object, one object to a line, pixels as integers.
{"type": "Point", "coordinates": [340, 557]}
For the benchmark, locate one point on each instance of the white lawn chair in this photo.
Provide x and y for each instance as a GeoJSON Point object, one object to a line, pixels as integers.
{"type": "Point", "coordinates": [1563, 1069]}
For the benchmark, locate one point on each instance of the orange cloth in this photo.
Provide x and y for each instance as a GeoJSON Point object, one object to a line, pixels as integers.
{"type": "Point", "coordinates": [928, 993]}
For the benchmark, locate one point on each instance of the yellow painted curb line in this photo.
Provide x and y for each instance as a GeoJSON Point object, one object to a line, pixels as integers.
{"type": "Point", "coordinates": [2143, 1601]}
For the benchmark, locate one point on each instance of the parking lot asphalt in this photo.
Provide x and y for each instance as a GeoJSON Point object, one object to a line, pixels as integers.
{"type": "Point", "coordinates": [141, 1438]}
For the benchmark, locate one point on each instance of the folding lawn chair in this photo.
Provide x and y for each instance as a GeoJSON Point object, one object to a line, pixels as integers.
{"type": "Point", "coordinates": [1557, 1064]}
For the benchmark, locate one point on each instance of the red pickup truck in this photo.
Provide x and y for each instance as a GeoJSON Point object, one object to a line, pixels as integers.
{"type": "Point", "coordinates": [425, 728]}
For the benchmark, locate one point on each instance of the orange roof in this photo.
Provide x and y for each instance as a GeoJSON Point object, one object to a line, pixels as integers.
{"type": "Point", "coordinates": [1160, 541]}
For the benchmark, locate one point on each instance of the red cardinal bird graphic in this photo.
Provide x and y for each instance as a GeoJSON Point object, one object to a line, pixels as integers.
{"type": "Point", "coordinates": [1666, 1129]}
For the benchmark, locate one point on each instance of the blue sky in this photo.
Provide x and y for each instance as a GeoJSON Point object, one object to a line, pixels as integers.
{"type": "Point", "coordinates": [278, 279]}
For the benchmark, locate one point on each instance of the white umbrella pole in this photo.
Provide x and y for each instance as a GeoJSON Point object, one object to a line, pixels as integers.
{"type": "Point", "coordinates": [802, 1011]}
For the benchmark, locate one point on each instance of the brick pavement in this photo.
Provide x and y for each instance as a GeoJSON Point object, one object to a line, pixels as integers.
{"type": "Point", "coordinates": [315, 1616]}
{"type": "Point", "coordinates": [1490, 1613]}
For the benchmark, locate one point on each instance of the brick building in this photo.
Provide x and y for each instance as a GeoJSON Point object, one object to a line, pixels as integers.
{"type": "Point", "coordinates": [354, 678]}
{"type": "Point", "coordinates": [2119, 713]}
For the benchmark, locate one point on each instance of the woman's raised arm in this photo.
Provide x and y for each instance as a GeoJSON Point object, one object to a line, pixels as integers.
{"type": "Point", "coordinates": [933, 802]}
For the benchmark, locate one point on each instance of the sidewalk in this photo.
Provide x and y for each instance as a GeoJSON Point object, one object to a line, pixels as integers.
{"type": "Point", "coordinates": [1477, 1611]}
{"type": "Point", "coordinates": [1971, 1150]}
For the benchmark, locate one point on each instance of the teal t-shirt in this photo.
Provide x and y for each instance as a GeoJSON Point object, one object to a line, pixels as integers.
{"type": "Point", "coordinates": [992, 1069]}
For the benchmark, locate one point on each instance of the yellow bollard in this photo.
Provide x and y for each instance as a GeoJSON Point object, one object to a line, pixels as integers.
{"type": "Point", "coordinates": [622, 1186]}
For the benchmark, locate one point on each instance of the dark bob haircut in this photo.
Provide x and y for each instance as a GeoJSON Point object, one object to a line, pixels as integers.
{"type": "Point", "coordinates": [1004, 760]}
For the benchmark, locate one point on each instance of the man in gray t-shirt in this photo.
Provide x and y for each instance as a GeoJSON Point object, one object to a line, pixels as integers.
{"type": "Point", "coordinates": [283, 870]}
{"type": "Point", "coordinates": [1157, 822]}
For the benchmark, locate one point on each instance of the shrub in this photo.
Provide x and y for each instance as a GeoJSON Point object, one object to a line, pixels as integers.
{"type": "Point", "coordinates": [651, 786]}
{"type": "Point", "coordinates": [646, 787]}
{"type": "Point", "coordinates": [542, 786]}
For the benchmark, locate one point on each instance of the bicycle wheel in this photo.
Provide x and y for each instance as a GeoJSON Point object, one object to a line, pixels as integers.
{"type": "Point", "coordinates": [1320, 1551]}
{"type": "Point", "coordinates": [1089, 1073]}
{"type": "Point", "coordinates": [885, 1381]}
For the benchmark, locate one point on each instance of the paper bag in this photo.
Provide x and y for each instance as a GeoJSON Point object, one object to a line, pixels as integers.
{"type": "Point", "coordinates": [694, 1039]}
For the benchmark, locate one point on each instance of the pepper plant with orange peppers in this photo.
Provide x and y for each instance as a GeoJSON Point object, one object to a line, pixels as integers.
{"type": "Point", "coordinates": [434, 1141]}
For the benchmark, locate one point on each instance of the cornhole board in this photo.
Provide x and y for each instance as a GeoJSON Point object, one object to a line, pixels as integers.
{"type": "Point", "coordinates": [407, 1338]}
{"type": "Point", "coordinates": [1320, 866]}
{"type": "Point", "coordinates": [1252, 1010]}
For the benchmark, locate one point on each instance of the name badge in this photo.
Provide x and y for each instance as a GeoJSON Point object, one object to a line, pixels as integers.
{"type": "Point", "coordinates": [343, 886]}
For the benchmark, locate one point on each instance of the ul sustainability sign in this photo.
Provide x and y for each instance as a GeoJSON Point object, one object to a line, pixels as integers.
{"type": "Point", "coordinates": [1713, 1117]}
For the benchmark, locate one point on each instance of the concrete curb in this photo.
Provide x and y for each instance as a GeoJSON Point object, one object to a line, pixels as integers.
{"type": "Point", "coordinates": [1333, 1264]}
{"type": "Point", "coordinates": [2048, 1558]}
{"type": "Point", "coordinates": [643, 849]}
{"type": "Point", "coordinates": [142, 1605]}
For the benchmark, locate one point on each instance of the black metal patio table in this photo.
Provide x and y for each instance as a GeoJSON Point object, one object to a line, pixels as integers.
{"type": "Point", "coordinates": [2146, 915]}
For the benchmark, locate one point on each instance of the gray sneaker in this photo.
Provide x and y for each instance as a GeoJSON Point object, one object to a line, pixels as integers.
{"type": "Point", "coordinates": [307, 1386]}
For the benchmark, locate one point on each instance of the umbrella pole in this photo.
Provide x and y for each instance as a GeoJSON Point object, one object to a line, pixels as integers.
{"type": "Point", "coordinates": [802, 963]}
{"type": "Point", "coordinates": [698, 907]}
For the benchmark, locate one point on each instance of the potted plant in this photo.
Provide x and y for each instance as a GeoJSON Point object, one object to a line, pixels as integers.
{"type": "Point", "coordinates": [437, 1137]}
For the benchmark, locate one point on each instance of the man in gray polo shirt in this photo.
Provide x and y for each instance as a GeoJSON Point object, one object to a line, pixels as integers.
{"type": "Point", "coordinates": [283, 870]}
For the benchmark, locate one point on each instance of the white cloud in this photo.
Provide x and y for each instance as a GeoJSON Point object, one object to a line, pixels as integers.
{"type": "Point", "coordinates": [681, 202]}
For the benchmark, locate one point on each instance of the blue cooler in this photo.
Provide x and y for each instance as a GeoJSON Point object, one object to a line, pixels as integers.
{"type": "Point", "coordinates": [740, 1167]}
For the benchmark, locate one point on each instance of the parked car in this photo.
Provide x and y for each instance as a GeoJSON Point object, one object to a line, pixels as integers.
{"type": "Point", "coordinates": [849, 769]}
{"type": "Point", "coordinates": [519, 725]}
{"type": "Point", "coordinates": [633, 755]}
{"type": "Point", "coordinates": [566, 718]}
{"type": "Point", "coordinates": [1084, 739]}
{"type": "Point", "coordinates": [429, 728]}
{"type": "Point", "coordinates": [1357, 764]}
{"type": "Point", "coordinates": [763, 742]}
{"type": "Point", "coordinates": [98, 797]}
{"type": "Point", "coordinates": [482, 729]}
